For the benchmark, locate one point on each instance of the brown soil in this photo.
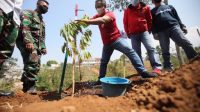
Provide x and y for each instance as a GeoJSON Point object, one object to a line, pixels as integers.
{"type": "Point", "coordinates": [173, 92]}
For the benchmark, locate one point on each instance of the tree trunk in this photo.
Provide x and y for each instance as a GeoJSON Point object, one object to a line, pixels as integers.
{"type": "Point", "coordinates": [124, 64]}
{"type": "Point", "coordinates": [179, 55]}
{"type": "Point", "coordinates": [73, 75]}
{"type": "Point", "coordinates": [79, 66]}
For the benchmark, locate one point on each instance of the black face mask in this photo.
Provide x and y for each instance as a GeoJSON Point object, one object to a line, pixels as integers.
{"type": "Point", "coordinates": [43, 9]}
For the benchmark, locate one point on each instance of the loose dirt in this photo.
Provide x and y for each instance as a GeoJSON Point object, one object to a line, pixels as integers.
{"type": "Point", "coordinates": [172, 92]}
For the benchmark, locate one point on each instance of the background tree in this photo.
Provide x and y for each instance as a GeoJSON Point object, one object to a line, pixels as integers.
{"type": "Point", "coordinates": [120, 5]}
{"type": "Point", "coordinates": [123, 59]}
{"type": "Point", "coordinates": [50, 62]}
{"type": "Point", "coordinates": [9, 73]}
{"type": "Point", "coordinates": [74, 46]}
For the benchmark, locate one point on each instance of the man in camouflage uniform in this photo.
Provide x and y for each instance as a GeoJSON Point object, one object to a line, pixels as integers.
{"type": "Point", "coordinates": [31, 43]}
{"type": "Point", "coordinates": [9, 23]}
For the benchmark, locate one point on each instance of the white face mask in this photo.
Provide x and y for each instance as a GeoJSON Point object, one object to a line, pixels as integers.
{"type": "Point", "coordinates": [100, 10]}
{"type": "Point", "coordinates": [134, 2]}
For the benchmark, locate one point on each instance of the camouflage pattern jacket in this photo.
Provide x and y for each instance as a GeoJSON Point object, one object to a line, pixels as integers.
{"type": "Point", "coordinates": [32, 29]}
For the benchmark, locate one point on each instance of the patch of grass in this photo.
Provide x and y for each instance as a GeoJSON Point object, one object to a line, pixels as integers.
{"type": "Point", "coordinates": [6, 85]}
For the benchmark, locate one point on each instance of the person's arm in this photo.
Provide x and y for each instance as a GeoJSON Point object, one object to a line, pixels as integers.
{"type": "Point", "coordinates": [149, 19]}
{"type": "Point", "coordinates": [153, 29]}
{"type": "Point", "coordinates": [26, 33]}
{"type": "Point", "coordinates": [125, 21]}
{"type": "Point", "coordinates": [42, 39]}
{"type": "Point", "coordinates": [97, 21]}
{"type": "Point", "coordinates": [183, 27]}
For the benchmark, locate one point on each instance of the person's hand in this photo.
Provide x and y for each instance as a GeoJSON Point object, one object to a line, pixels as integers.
{"type": "Point", "coordinates": [155, 36]}
{"type": "Point", "coordinates": [149, 32]}
{"type": "Point", "coordinates": [184, 29]}
{"type": "Point", "coordinates": [81, 21]}
{"type": "Point", "coordinates": [78, 20]}
{"type": "Point", "coordinates": [44, 51]}
{"type": "Point", "coordinates": [129, 36]}
{"type": "Point", "coordinates": [29, 47]}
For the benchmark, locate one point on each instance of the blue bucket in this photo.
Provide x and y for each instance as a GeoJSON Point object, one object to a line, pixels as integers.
{"type": "Point", "coordinates": [114, 86]}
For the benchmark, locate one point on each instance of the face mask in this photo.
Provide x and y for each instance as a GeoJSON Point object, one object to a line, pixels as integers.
{"type": "Point", "coordinates": [43, 9]}
{"type": "Point", "coordinates": [100, 10]}
{"type": "Point", "coordinates": [134, 2]}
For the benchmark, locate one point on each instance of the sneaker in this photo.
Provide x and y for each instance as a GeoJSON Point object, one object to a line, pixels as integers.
{"type": "Point", "coordinates": [157, 71]}
{"type": "Point", "coordinates": [148, 75]}
{"type": "Point", "coordinates": [97, 83]}
{"type": "Point", "coordinates": [6, 93]}
{"type": "Point", "coordinates": [168, 69]}
{"type": "Point", "coordinates": [32, 90]}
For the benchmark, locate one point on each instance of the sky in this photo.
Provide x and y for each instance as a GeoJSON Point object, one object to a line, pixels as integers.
{"type": "Point", "coordinates": [62, 11]}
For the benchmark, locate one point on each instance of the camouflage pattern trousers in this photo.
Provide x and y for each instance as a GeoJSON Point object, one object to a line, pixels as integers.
{"type": "Point", "coordinates": [31, 63]}
{"type": "Point", "coordinates": [8, 36]}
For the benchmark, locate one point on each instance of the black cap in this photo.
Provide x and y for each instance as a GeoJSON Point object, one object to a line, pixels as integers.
{"type": "Point", "coordinates": [157, 1]}
{"type": "Point", "coordinates": [43, 1]}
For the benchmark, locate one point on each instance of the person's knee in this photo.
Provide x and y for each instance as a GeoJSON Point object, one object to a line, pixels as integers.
{"type": "Point", "coordinates": [127, 50]}
{"type": "Point", "coordinates": [150, 49]}
{"type": "Point", "coordinates": [185, 43]}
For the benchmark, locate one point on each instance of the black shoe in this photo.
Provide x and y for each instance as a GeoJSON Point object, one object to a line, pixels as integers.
{"type": "Point", "coordinates": [98, 82]}
{"type": "Point", "coordinates": [148, 75]}
{"type": "Point", "coordinates": [29, 87]}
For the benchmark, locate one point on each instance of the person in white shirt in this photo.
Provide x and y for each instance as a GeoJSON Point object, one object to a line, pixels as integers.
{"type": "Point", "coordinates": [9, 23]}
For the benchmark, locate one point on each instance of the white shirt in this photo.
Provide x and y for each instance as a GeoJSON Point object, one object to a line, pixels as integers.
{"type": "Point", "coordinates": [12, 5]}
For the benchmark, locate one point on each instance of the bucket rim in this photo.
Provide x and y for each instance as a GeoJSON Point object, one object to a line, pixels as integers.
{"type": "Point", "coordinates": [106, 80]}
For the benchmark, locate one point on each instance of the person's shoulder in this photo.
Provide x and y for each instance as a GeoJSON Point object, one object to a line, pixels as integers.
{"type": "Point", "coordinates": [171, 6]}
{"type": "Point", "coordinates": [28, 13]}
{"type": "Point", "coordinates": [110, 13]}
{"type": "Point", "coordinates": [146, 7]}
{"type": "Point", "coordinates": [153, 10]}
{"type": "Point", "coordinates": [95, 16]}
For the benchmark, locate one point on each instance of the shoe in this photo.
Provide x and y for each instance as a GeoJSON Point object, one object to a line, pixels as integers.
{"type": "Point", "coordinates": [6, 93]}
{"type": "Point", "coordinates": [97, 83]}
{"type": "Point", "coordinates": [32, 90]}
{"type": "Point", "coordinates": [157, 71]}
{"type": "Point", "coordinates": [168, 69]}
{"type": "Point", "coordinates": [29, 87]}
{"type": "Point", "coordinates": [148, 75]}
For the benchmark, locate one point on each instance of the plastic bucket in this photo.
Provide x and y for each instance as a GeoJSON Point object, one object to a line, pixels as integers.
{"type": "Point", "coordinates": [114, 86]}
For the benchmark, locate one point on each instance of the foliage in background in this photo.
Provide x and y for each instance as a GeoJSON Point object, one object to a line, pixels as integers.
{"type": "Point", "coordinates": [9, 74]}
{"type": "Point", "coordinates": [49, 79]}
{"type": "Point", "coordinates": [120, 5]}
{"type": "Point", "coordinates": [173, 57]}
{"type": "Point", "coordinates": [50, 62]}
